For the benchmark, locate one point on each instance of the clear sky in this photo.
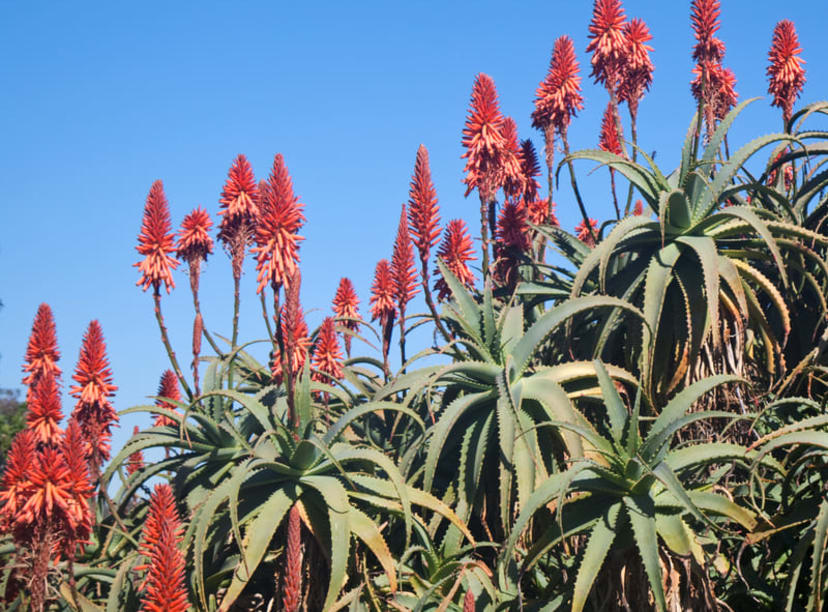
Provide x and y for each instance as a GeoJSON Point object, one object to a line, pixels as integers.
{"type": "Point", "coordinates": [98, 100]}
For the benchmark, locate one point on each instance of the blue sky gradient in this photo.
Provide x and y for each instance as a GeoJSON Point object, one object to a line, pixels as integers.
{"type": "Point", "coordinates": [100, 99]}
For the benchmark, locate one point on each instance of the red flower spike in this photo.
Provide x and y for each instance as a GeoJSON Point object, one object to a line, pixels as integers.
{"type": "Point", "coordinates": [92, 374]}
{"type": "Point", "coordinates": [638, 210]}
{"type": "Point", "coordinates": [382, 293]}
{"type": "Point", "coordinates": [156, 242]}
{"type": "Point", "coordinates": [529, 169]}
{"type": "Point", "coordinates": [164, 586]}
{"type": "Point", "coordinates": [277, 239]}
{"type": "Point", "coordinates": [136, 459]}
{"type": "Point", "coordinates": [73, 449]}
{"type": "Point", "coordinates": [45, 412]}
{"type": "Point", "coordinates": [42, 351]}
{"type": "Point", "coordinates": [638, 74]}
{"type": "Point", "coordinates": [468, 601]}
{"type": "Point", "coordinates": [292, 596]}
{"type": "Point", "coordinates": [238, 198]}
{"type": "Point", "coordinates": [488, 157]}
{"type": "Point", "coordinates": [512, 239]}
{"type": "Point", "coordinates": [345, 306]}
{"type": "Point", "coordinates": [720, 95]}
{"type": "Point", "coordinates": [294, 330]}
{"type": "Point", "coordinates": [167, 387]}
{"type": "Point", "coordinates": [15, 485]}
{"type": "Point", "coordinates": [705, 21]}
{"type": "Point", "coordinates": [194, 241]}
{"type": "Point", "coordinates": [785, 74]}
{"type": "Point", "coordinates": [403, 272]}
{"type": "Point", "coordinates": [538, 212]}
{"type": "Point", "coordinates": [512, 179]}
{"type": "Point", "coordinates": [423, 211]}
{"type": "Point", "coordinates": [608, 45]}
{"type": "Point", "coordinates": [584, 235]}
{"type": "Point", "coordinates": [610, 139]}
{"type": "Point", "coordinates": [327, 356]}
{"type": "Point", "coordinates": [455, 250]}
{"type": "Point", "coordinates": [558, 97]}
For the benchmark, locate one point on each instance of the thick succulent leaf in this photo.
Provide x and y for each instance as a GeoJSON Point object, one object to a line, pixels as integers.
{"type": "Point", "coordinates": [367, 531]}
{"type": "Point", "coordinates": [641, 511]}
{"type": "Point", "coordinates": [708, 256]}
{"type": "Point", "coordinates": [545, 390]}
{"type": "Point", "coordinates": [659, 276]}
{"type": "Point", "coordinates": [818, 558]}
{"type": "Point", "coordinates": [469, 310]}
{"type": "Point", "coordinates": [600, 541]}
{"type": "Point", "coordinates": [714, 452]}
{"type": "Point", "coordinates": [752, 274]}
{"type": "Point", "coordinates": [616, 411]}
{"type": "Point", "coordinates": [719, 135]}
{"type": "Point", "coordinates": [357, 412]}
{"type": "Point", "coordinates": [713, 503]}
{"type": "Point", "coordinates": [646, 183]}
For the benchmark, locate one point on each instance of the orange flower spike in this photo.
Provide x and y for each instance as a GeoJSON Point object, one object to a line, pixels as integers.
{"type": "Point", "coordinates": [529, 169]}
{"type": "Point", "coordinates": [164, 586]}
{"type": "Point", "coordinates": [156, 242]}
{"type": "Point", "coordinates": [292, 595]}
{"type": "Point", "coordinates": [486, 146]}
{"type": "Point", "coordinates": [293, 328]}
{"type": "Point", "coordinates": [42, 352]}
{"type": "Point", "coordinates": [382, 293]}
{"type": "Point", "coordinates": [346, 302]}
{"type": "Point", "coordinates": [638, 75]}
{"type": "Point", "coordinates": [610, 140]}
{"type": "Point", "coordinates": [238, 198]}
{"type": "Point", "coordinates": [51, 489]}
{"type": "Point", "coordinates": [15, 486]}
{"type": "Point", "coordinates": [167, 387]}
{"type": "Point", "coordinates": [608, 44]}
{"type": "Point", "coordinates": [194, 241]}
{"type": "Point", "coordinates": [512, 178]}
{"type": "Point", "coordinates": [280, 219]}
{"type": "Point", "coordinates": [45, 412]}
{"type": "Point", "coordinates": [455, 251]}
{"type": "Point", "coordinates": [423, 211]}
{"type": "Point", "coordinates": [558, 96]}
{"type": "Point", "coordinates": [327, 356]}
{"type": "Point", "coordinates": [583, 234]}
{"type": "Point", "coordinates": [704, 18]}
{"type": "Point", "coordinates": [73, 449]}
{"type": "Point", "coordinates": [786, 75]}
{"type": "Point", "coordinates": [136, 459]}
{"type": "Point", "coordinates": [403, 272]}
{"type": "Point", "coordinates": [512, 235]}
{"type": "Point", "coordinates": [92, 374]}
{"type": "Point", "coordinates": [538, 212]}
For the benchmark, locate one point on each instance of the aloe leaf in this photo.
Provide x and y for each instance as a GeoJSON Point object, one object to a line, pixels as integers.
{"type": "Point", "coordinates": [469, 309]}
{"type": "Point", "coordinates": [818, 557]}
{"type": "Point", "coordinates": [359, 411]}
{"type": "Point", "coordinates": [366, 530]}
{"type": "Point", "coordinates": [642, 518]}
{"type": "Point", "coordinates": [708, 255]}
{"type": "Point", "coordinates": [616, 411]}
{"type": "Point", "coordinates": [713, 503]}
{"type": "Point", "coordinates": [659, 276]}
{"type": "Point", "coordinates": [712, 148]}
{"type": "Point", "coordinates": [646, 183]}
{"type": "Point", "coordinates": [600, 541]}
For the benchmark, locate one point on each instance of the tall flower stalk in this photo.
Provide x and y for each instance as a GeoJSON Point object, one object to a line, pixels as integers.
{"type": "Point", "coordinates": [383, 307]}
{"type": "Point", "coordinates": [456, 250]}
{"type": "Point", "coordinates": [403, 275]}
{"type": "Point", "coordinates": [345, 307]}
{"type": "Point", "coordinates": [156, 242]}
{"type": "Point", "coordinates": [194, 244]}
{"type": "Point", "coordinates": [786, 76]}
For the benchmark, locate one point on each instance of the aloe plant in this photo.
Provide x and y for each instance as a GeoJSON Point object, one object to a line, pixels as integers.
{"type": "Point", "coordinates": [635, 491]}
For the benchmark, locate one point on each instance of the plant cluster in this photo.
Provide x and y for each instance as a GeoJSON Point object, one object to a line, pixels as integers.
{"type": "Point", "coordinates": [629, 416]}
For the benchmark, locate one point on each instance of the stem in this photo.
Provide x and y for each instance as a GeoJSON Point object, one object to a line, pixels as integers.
{"type": "Point", "coordinates": [236, 283]}
{"type": "Point", "coordinates": [575, 187]}
{"type": "Point", "coordinates": [614, 194]}
{"type": "Point", "coordinates": [165, 339]}
{"type": "Point", "coordinates": [699, 113]}
{"type": "Point", "coordinates": [402, 338]}
{"type": "Point", "coordinates": [484, 236]}
{"type": "Point", "coordinates": [266, 316]}
{"type": "Point", "coordinates": [430, 301]}
{"type": "Point", "coordinates": [633, 108]}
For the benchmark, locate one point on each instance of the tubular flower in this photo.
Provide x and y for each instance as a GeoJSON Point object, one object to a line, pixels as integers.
{"type": "Point", "coordinates": [156, 242]}
{"type": "Point", "coordinates": [327, 356]}
{"type": "Point", "coordinates": [277, 239]}
{"type": "Point", "coordinates": [136, 459]}
{"type": "Point", "coordinates": [194, 241]}
{"type": "Point", "coordinates": [423, 211]}
{"type": "Point", "coordinates": [785, 74]}
{"type": "Point", "coordinates": [584, 235]}
{"type": "Point", "coordinates": [294, 331]}
{"type": "Point", "coordinates": [345, 306]}
{"type": "Point", "coordinates": [15, 485]}
{"type": "Point", "coordinates": [455, 250]}
{"type": "Point", "coordinates": [610, 138]}
{"type": "Point", "coordinates": [167, 387]}
{"type": "Point", "coordinates": [512, 240]}
{"type": "Point", "coordinates": [608, 44]}
{"type": "Point", "coordinates": [488, 156]}
{"type": "Point", "coordinates": [403, 273]}
{"type": "Point", "coordinates": [73, 449]}
{"type": "Point", "coordinates": [558, 97]}
{"type": "Point", "coordinates": [42, 352]}
{"type": "Point", "coordinates": [704, 18]}
{"type": "Point", "coordinates": [94, 411]}
{"type": "Point", "coordinates": [529, 169]}
{"type": "Point", "coordinates": [540, 212]}
{"type": "Point", "coordinates": [164, 585]}
{"type": "Point", "coordinates": [638, 72]}
{"type": "Point", "coordinates": [238, 198]}
{"type": "Point", "coordinates": [638, 210]}
{"type": "Point", "coordinates": [512, 179]}
{"type": "Point", "coordinates": [719, 93]}
{"type": "Point", "coordinates": [45, 412]}
{"type": "Point", "coordinates": [382, 293]}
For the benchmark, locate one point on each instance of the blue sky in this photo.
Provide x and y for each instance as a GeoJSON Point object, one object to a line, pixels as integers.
{"type": "Point", "coordinates": [99, 100]}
